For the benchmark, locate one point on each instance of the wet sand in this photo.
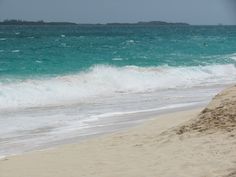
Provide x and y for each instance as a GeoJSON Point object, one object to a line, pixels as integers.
{"type": "Point", "coordinates": [193, 143]}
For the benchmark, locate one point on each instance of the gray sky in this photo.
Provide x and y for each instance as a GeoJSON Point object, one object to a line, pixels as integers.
{"type": "Point", "coordinates": [104, 11]}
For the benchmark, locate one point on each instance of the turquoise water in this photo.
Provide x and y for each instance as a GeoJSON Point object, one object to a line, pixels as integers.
{"type": "Point", "coordinates": [58, 50]}
{"type": "Point", "coordinates": [58, 83]}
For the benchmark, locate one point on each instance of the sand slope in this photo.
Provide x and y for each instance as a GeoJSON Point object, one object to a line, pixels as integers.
{"type": "Point", "coordinates": [219, 115]}
{"type": "Point", "coordinates": [169, 146]}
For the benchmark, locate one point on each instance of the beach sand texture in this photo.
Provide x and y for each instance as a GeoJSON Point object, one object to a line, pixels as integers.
{"type": "Point", "coordinates": [194, 143]}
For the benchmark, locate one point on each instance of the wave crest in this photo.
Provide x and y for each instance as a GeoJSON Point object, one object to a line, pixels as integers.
{"type": "Point", "coordinates": [104, 80]}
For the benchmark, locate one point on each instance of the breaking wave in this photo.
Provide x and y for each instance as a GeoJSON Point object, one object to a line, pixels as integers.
{"type": "Point", "coordinates": [102, 80]}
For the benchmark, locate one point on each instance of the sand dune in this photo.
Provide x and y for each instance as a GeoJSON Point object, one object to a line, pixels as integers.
{"type": "Point", "coordinates": [191, 143]}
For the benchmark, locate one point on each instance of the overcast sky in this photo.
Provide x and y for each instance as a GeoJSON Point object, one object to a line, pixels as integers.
{"type": "Point", "coordinates": [104, 11]}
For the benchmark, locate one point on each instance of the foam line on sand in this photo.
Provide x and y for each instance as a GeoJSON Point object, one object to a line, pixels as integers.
{"type": "Point", "coordinates": [158, 148]}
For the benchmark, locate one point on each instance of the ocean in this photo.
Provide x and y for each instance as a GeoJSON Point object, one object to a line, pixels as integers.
{"type": "Point", "coordinates": [59, 83]}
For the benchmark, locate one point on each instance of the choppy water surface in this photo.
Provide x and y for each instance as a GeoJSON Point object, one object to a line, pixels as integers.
{"type": "Point", "coordinates": [60, 82]}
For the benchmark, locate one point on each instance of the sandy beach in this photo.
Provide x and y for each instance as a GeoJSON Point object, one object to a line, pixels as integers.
{"type": "Point", "coordinates": [193, 143]}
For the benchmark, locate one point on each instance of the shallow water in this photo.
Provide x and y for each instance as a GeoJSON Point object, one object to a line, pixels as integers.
{"type": "Point", "coordinates": [59, 83]}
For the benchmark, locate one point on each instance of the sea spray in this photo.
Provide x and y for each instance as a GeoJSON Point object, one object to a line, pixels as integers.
{"type": "Point", "coordinates": [104, 80]}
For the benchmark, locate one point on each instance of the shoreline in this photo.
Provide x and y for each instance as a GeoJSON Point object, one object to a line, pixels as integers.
{"type": "Point", "coordinates": [163, 121]}
{"type": "Point", "coordinates": [195, 142]}
{"type": "Point", "coordinates": [119, 124]}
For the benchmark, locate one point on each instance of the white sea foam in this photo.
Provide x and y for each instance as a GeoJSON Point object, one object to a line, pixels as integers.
{"type": "Point", "coordinates": [233, 57]}
{"type": "Point", "coordinates": [38, 61]}
{"type": "Point", "coordinates": [107, 80]}
{"type": "Point", "coordinates": [15, 51]}
{"type": "Point", "coordinates": [112, 114]}
{"type": "Point", "coordinates": [130, 41]}
{"type": "Point", "coordinates": [2, 157]}
{"type": "Point", "coordinates": [117, 59]}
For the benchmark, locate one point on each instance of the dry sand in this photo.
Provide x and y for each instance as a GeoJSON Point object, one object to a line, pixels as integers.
{"type": "Point", "coordinates": [182, 144]}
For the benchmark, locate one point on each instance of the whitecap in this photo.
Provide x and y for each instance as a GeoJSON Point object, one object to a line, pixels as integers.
{"type": "Point", "coordinates": [15, 51]}
{"type": "Point", "coordinates": [3, 39]}
{"type": "Point", "coordinates": [38, 61]}
{"type": "Point", "coordinates": [233, 56]}
{"type": "Point", "coordinates": [145, 57]}
{"type": "Point", "coordinates": [63, 35]}
{"type": "Point", "coordinates": [17, 33]}
{"type": "Point", "coordinates": [130, 41]}
{"type": "Point", "coordinates": [117, 59]}
{"type": "Point", "coordinates": [102, 80]}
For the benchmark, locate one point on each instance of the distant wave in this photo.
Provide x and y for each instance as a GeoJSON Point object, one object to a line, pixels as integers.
{"type": "Point", "coordinates": [102, 80]}
{"type": "Point", "coordinates": [15, 51]}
